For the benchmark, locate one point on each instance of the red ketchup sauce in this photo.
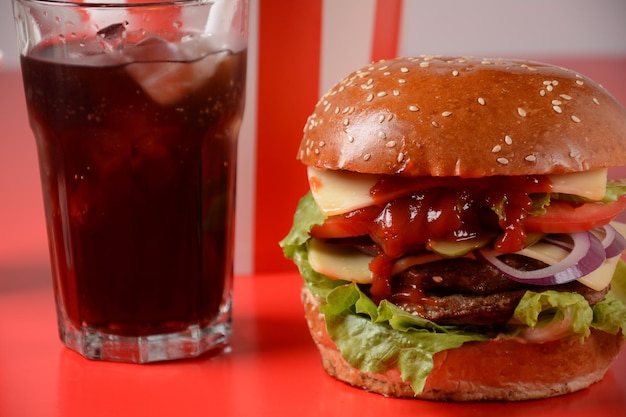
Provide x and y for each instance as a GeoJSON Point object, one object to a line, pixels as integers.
{"type": "Point", "coordinates": [444, 208]}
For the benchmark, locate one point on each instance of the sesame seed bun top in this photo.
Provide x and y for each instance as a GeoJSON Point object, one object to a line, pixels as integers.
{"type": "Point", "coordinates": [467, 117]}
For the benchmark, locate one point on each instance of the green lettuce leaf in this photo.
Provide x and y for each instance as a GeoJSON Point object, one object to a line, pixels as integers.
{"type": "Point", "coordinates": [307, 215]}
{"type": "Point", "coordinates": [295, 246]}
{"type": "Point", "coordinates": [550, 307]}
{"type": "Point", "coordinates": [378, 338]}
{"type": "Point", "coordinates": [614, 190]}
{"type": "Point", "coordinates": [610, 314]}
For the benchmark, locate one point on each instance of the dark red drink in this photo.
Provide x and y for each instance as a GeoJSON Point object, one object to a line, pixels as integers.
{"type": "Point", "coordinates": [138, 170]}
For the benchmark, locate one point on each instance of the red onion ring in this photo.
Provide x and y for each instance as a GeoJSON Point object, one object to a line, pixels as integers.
{"type": "Point", "coordinates": [612, 241]}
{"type": "Point", "coordinates": [587, 254]}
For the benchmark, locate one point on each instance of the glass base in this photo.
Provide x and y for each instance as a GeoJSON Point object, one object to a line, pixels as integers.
{"type": "Point", "coordinates": [189, 343]}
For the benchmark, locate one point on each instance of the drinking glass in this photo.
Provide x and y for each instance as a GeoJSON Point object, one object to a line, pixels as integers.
{"type": "Point", "coordinates": [136, 108]}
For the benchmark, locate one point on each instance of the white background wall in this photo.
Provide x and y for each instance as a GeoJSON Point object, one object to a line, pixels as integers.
{"type": "Point", "coordinates": [514, 27]}
{"type": "Point", "coordinates": [476, 27]}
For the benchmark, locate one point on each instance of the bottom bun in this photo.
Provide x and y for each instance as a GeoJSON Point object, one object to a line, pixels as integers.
{"type": "Point", "coordinates": [494, 370]}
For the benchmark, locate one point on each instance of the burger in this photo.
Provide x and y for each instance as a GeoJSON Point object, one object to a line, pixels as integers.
{"type": "Point", "coordinates": [459, 242]}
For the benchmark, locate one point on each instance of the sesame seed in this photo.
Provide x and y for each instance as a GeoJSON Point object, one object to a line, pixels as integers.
{"type": "Point", "coordinates": [413, 108]}
{"type": "Point", "coordinates": [496, 149]}
{"type": "Point", "coordinates": [446, 113]}
{"type": "Point", "coordinates": [574, 154]}
{"type": "Point", "coordinates": [316, 151]}
{"type": "Point", "coordinates": [565, 96]}
{"type": "Point", "coordinates": [434, 123]}
{"type": "Point", "coordinates": [424, 64]}
{"type": "Point", "coordinates": [531, 158]}
{"type": "Point", "coordinates": [401, 81]}
{"type": "Point", "coordinates": [550, 88]}
{"type": "Point", "coordinates": [542, 92]}
{"type": "Point", "coordinates": [386, 73]}
{"type": "Point", "coordinates": [580, 82]}
{"type": "Point", "coordinates": [321, 144]}
{"type": "Point", "coordinates": [455, 73]}
{"type": "Point", "coordinates": [396, 93]}
{"type": "Point", "coordinates": [367, 157]}
{"type": "Point", "coordinates": [508, 140]}
{"type": "Point", "coordinates": [381, 118]}
{"type": "Point", "coordinates": [369, 97]}
{"type": "Point", "coordinates": [521, 112]}
{"type": "Point", "coordinates": [481, 101]}
{"type": "Point", "coordinates": [381, 94]}
{"type": "Point", "coordinates": [350, 138]}
{"type": "Point", "coordinates": [400, 157]}
{"type": "Point", "coordinates": [557, 109]}
{"type": "Point", "coordinates": [547, 82]}
{"type": "Point", "coordinates": [390, 117]}
{"type": "Point", "coordinates": [502, 161]}
{"type": "Point", "coordinates": [575, 119]}
{"type": "Point", "coordinates": [557, 102]}
{"type": "Point", "coordinates": [391, 144]}
{"type": "Point", "coordinates": [346, 121]}
{"type": "Point", "coordinates": [404, 69]}
{"type": "Point", "coordinates": [596, 101]}
{"type": "Point", "coordinates": [381, 134]}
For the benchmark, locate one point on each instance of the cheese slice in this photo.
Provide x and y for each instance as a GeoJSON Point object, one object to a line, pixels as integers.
{"type": "Point", "coordinates": [588, 184]}
{"type": "Point", "coordinates": [340, 262]}
{"type": "Point", "coordinates": [601, 277]}
{"type": "Point", "coordinates": [338, 192]}
{"type": "Point", "coordinates": [350, 264]}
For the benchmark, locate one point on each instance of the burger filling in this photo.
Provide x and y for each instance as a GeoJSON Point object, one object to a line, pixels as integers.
{"type": "Point", "coordinates": [444, 261]}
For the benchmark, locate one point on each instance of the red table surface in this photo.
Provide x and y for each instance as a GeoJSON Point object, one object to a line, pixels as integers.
{"type": "Point", "coordinates": [273, 368]}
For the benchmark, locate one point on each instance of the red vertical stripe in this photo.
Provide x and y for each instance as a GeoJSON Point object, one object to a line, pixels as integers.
{"type": "Point", "coordinates": [386, 29]}
{"type": "Point", "coordinates": [288, 80]}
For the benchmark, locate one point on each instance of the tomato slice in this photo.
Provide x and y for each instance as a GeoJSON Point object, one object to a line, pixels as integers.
{"type": "Point", "coordinates": [355, 223]}
{"type": "Point", "coordinates": [563, 217]}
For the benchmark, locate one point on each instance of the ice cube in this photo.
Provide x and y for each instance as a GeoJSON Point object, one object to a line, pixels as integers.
{"type": "Point", "coordinates": [168, 72]}
{"type": "Point", "coordinates": [112, 37]}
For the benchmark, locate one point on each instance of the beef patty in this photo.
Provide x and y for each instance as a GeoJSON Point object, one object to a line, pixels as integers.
{"type": "Point", "coordinates": [466, 291]}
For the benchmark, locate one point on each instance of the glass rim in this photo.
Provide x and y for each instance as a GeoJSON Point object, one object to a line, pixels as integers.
{"type": "Point", "coordinates": [87, 4]}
